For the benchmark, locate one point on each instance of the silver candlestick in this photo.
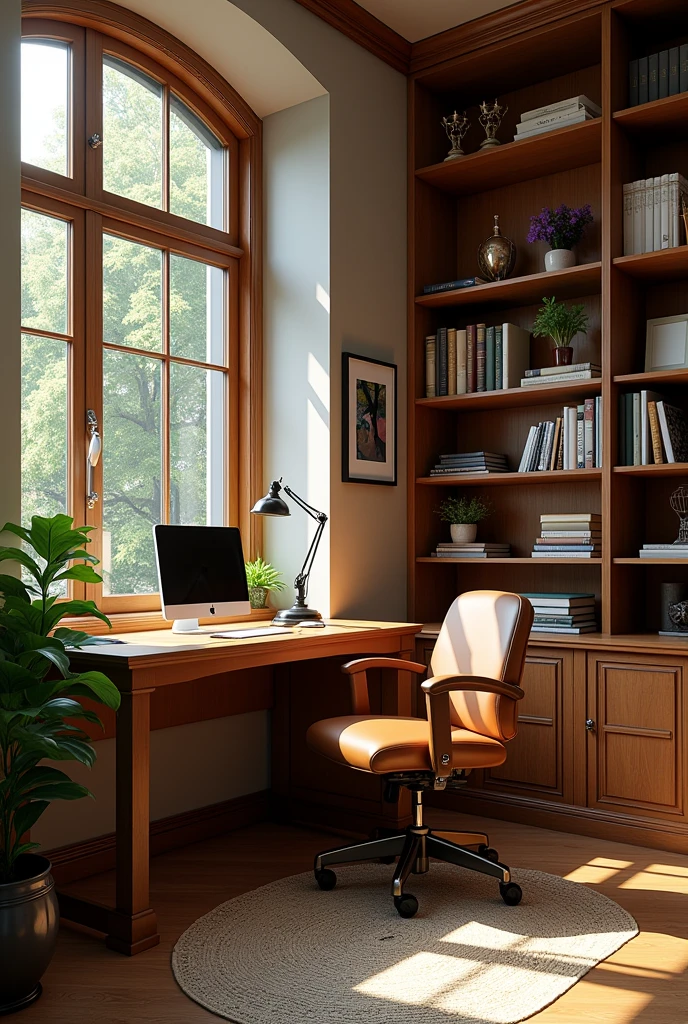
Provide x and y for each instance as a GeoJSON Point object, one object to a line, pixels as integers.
{"type": "Point", "coordinates": [456, 127]}
{"type": "Point", "coordinates": [679, 503]}
{"type": "Point", "coordinates": [491, 115]}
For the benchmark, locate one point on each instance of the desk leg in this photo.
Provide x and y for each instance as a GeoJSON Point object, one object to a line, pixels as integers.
{"type": "Point", "coordinates": [133, 924]}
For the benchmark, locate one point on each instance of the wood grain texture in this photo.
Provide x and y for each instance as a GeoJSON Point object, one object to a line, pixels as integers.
{"type": "Point", "coordinates": [665, 265]}
{"type": "Point", "coordinates": [513, 398]}
{"type": "Point", "coordinates": [580, 280]}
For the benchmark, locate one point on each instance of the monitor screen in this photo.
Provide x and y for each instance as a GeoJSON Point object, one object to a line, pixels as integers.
{"type": "Point", "coordinates": [200, 567]}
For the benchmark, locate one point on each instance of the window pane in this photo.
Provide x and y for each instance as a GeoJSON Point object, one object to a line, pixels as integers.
{"type": "Point", "coordinates": [132, 133]}
{"type": "Point", "coordinates": [45, 77]}
{"type": "Point", "coordinates": [45, 272]}
{"type": "Point", "coordinates": [44, 426]}
{"type": "Point", "coordinates": [196, 310]}
{"type": "Point", "coordinates": [197, 456]}
{"type": "Point", "coordinates": [132, 471]}
{"type": "Point", "coordinates": [132, 294]}
{"type": "Point", "coordinates": [197, 168]}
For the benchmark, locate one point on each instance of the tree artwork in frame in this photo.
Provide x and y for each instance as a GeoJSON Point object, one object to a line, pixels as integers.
{"type": "Point", "coordinates": [369, 421]}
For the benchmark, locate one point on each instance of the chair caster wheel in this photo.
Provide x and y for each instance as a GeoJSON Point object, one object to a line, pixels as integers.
{"type": "Point", "coordinates": [511, 893]}
{"type": "Point", "coordinates": [386, 860]}
{"type": "Point", "coordinates": [326, 879]}
{"type": "Point", "coordinates": [406, 905]}
{"type": "Point", "coordinates": [489, 853]}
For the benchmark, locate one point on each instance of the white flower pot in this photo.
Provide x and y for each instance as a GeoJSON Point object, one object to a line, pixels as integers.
{"type": "Point", "coordinates": [463, 533]}
{"type": "Point", "coordinates": [559, 259]}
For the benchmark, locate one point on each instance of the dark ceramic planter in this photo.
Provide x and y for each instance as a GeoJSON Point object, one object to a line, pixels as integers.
{"type": "Point", "coordinates": [29, 920]}
{"type": "Point", "coordinates": [563, 356]}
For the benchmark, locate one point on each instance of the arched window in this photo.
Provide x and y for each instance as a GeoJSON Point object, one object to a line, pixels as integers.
{"type": "Point", "coordinates": [140, 172]}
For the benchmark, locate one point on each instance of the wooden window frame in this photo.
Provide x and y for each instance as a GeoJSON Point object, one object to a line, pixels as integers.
{"type": "Point", "coordinates": [92, 28]}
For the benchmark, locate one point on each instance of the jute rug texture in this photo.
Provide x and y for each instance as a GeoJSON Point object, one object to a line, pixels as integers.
{"type": "Point", "coordinates": [288, 953]}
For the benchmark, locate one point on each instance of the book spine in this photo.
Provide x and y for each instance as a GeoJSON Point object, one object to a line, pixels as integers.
{"type": "Point", "coordinates": [636, 429]}
{"type": "Point", "coordinates": [648, 197]}
{"type": "Point", "coordinates": [674, 71]}
{"type": "Point", "coordinates": [645, 446]}
{"type": "Point", "coordinates": [451, 361]}
{"type": "Point", "coordinates": [585, 536]}
{"type": "Point", "coordinates": [589, 432]}
{"type": "Point", "coordinates": [470, 359]}
{"type": "Point", "coordinates": [547, 371]}
{"type": "Point", "coordinates": [556, 440]}
{"type": "Point", "coordinates": [480, 356]}
{"type": "Point", "coordinates": [642, 80]}
{"type": "Point", "coordinates": [461, 362]}
{"type": "Point", "coordinates": [430, 366]}
{"type": "Point", "coordinates": [663, 74]}
{"type": "Point", "coordinates": [665, 211]}
{"type": "Point", "coordinates": [549, 119]}
{"type": "Point", "coordinates": [443, 360]}
{"type": "Point", "coordinates": [569, 554]}
{"type": "Point", "coordinates": [574, 103]}
{"type": "Point", "coordinates": [526, 450]}
{"type": "Point", "coordinates": [622, 431]}
{"type": "Point", "coordinates": [653, 77]}
{"type": "Point", "coordinates": [655, 433]}
{"type": "Point", "coordinates": [656, 191]}
{"type": "Point", "coordinates": [575, 117]}
{"type": "Point", "coordinates": [633, 83]}
{"type": "Point", "coordinates": [628, 401]}
{"type": "Point", "coordinates": [566, 547]}
{"type": "Point", "coordinates": [546, 449]}
{"type": "Point", "coordinates": [560, 453]}
{"type": "Point", "coordinates": [628, 218]}
{"type": "Point", "coordinates": [682, 68]}
{"type": "Point", "coordinates": [499, 358]}
{"type": "Point", "coordinates": [598, 431]}
{"type": "Point", "coordinates": [490, 359]}
{"type": "Point", "coordinates": [638, 217]}
{"type": "Point", "coordinates": [557, 378]}
{"type": "Point", "coordinates": [674, 201]}
{"type": "Point", "coordinates": [450, 286]}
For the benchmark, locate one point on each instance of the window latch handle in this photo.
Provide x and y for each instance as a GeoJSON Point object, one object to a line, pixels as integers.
{"type": "Point", "coordinates": [95, 447]}
{"type": "Point", "coordinates": [95, 140]}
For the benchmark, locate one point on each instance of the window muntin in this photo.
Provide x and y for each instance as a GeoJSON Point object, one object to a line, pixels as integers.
{"type": "Point", "coordinates": [45, 104]}
{"type": "Point", "coordinates": [132, 133]}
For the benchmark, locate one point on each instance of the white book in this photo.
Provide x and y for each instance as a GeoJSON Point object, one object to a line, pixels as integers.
{"type": "Point", "coordinates": [571, 104]}
{"type": "Point", "coordinates": [646, 453]}
{"type": "Point", "coordinates": [584, 536]}
{"type": "Point", "coordinates": [555, 120]}
{"type": "Point", "coordinates": [638, 217]}
{"type": "Point", "coordinates": [598, 432]}
{"type": "Point", "coordinates": [628, 219]}
{"type": "Point", "coordinates": [674, 210]}
{"type": "Point", "coordinates": [574, 118]}
{"type": "Point", "coordinates": [589, 440]}
{"type": "Point", "coordinates": [665, 211]}
{"type": "Point", "coordinates": [564, 554]}
{"type": "Point", "coordinates": [461, 362]}
{"type": "Point", "coordinates": [648, 201]}
{"type": "Point", "coordinates": [580, 437]}
{"type": "Point", "coordinates": [558, 378]}
{"type": "Point", "coordinates": [570, 436]}
{"type": "Point", "coordinates": [656, 214]}
{"type": "Point", "coordinates": [664, 429]}
{"type": "Point", "coordinates": [515, 354]}
{"type": "Point", "coordinates": [565, 438]}
{"type": "Point", "coordinates": [527, 449]}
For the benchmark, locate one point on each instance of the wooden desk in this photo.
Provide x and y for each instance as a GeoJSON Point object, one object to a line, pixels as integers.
{"type": "Point", "coordinates": [308, 686]}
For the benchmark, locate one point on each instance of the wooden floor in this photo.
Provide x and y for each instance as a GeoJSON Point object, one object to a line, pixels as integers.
{"type": "Point", "coordinates": [646, 982]}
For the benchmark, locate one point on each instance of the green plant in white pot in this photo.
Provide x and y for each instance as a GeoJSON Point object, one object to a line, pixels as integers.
{"type": "Point", "coordinates": [261, 578]}
{"type": "Point", "coordinates": [463, 515]}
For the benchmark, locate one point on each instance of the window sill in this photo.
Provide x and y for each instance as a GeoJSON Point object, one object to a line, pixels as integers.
{"type": "Point", "coordinates": [133, 622]}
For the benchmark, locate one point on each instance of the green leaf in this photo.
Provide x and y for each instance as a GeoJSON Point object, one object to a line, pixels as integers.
{"type": "Point", "coordinates": [10, 585]}
{"type": "Point", "coordinates": [41, 775]}
{"type": "Point", "coordinates": [83, 573]}
{"type": "Point", "coordinates": [92, 684]}
{"type": "Point", "coordinates": [18, 531]}
{"type": "Point", "coordinates": [76, 638]}
{"type": "Point", "coordinates": [52, 537]}
{"type": "Point", "coordinates": [24, 848]}
{"type": "Point", "coordinates": [63, 608]}
{"type": "Point", "coordinates": [46, 647]}
{"type": "Point", "coordinates": [17, 615]}
{"type": "Point", "coordinates": [60, 791]}
{"type": "Point", "coordinates": [15, 677]}
{"type": "Point", "coordinates": [17, 555]}
{"type": "Point", "coordinates": [27, 816]}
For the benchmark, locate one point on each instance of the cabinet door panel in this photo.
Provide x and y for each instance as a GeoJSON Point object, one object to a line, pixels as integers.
{"type": "Point", "coordinates": [636, 747]}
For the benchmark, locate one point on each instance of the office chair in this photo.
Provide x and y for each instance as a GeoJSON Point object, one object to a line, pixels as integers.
{"type": "Point", "coordinates": [471, 696]}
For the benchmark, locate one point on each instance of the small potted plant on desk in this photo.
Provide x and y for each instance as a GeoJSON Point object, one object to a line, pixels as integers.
{"type": "Point", "coordinates": [39, 709]}
{"type": "Point", "coordinates": [561, 323]}
{"type": "Point", "coordinates": [261, 578]}
{"type": "Point", "coordinates": [561, 229]}
{"type": "Point", "coordinates": [463, 515]}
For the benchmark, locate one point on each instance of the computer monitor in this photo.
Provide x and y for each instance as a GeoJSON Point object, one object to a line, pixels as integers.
{"type": "Point", "coordinates": [201, 574]}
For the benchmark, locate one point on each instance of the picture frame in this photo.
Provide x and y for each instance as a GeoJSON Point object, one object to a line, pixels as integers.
{"type": "Point", "coordinates": [666, 347]}
{"type": "Point", "coordinates": [369, 420]}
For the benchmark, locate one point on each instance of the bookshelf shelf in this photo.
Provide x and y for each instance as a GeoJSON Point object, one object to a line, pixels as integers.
{"type": "Point", "coordinates": [665, 265]}
{"type": "Point", "coordinates": [582, 280]}
{"type": "Point", "coordinates": [558, 476]}
{"type": "Point", "coordinates": [511, 561]}
{"type": "Point", "coordinates": [668, 116]}
{"type": "Point", "coordinates": [663, 469]}
{"type": "Point", "coordinates": [650, 561]}
{"type": "Point", "coordinates": [512, 398]}
{"type": "Point", "coordinates": [512, 162]}
{"type": "Point", "coordinates": [653, 377]}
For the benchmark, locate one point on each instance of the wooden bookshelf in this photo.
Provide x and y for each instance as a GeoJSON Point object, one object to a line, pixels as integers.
{"type": "Point", "coordinates": [659, 119]}
{"type": "Point", "coordinates": [665, 265]}
{"type": "Point", "coordinates": [559, 476]}
{"type": "Point", "coordinates": [582, 280]}
{"type": "Point", "coordinates": [513, 398]}
{"type": "Point", "coordinates": [663, 469]}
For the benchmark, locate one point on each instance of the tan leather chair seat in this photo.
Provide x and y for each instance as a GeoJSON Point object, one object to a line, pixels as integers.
{"type": "Point", "coordinates": [380, 744]}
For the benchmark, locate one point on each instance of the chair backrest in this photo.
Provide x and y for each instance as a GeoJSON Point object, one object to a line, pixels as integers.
{"type": "Point", "coordinates": [484, 633]}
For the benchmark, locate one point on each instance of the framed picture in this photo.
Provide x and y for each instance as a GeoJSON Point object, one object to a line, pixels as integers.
{"type": "Point", "coordinates": [369, 420]}
{"type": "Point", "coordinates": [667, 343]}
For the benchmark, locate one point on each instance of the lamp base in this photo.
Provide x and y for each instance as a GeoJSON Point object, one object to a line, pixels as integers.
{"type": "Point", "coordinates": [297, 613]}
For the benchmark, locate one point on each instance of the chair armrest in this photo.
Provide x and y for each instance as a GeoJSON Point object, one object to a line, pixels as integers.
{"type": "Point", "coordinates": [357, 670]}
{"type": "Point", "coordinates": [437, 692]}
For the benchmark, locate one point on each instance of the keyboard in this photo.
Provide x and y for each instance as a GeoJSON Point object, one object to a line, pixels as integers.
{"type": "Point", "coordinates": [244, 634]}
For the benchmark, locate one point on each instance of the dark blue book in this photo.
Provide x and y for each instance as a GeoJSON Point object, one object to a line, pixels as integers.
{"type": "Point", "coordinates": [653, 77]}
{"type": "Point", "coordinates": [633, 83]}
{"type": "Point", "coordinates": [490, 359]}
{"type": "Point", "coordinates": [642, 80]}
{"type": "Point", "coordinates": [674, 71]}
{"type": "Point", "coordinates": [448, 286]}
{"type": "Point", "coordinates": [663, 74]}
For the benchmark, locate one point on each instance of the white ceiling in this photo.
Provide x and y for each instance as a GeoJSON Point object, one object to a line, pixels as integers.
{"type": "Point", "coordinates": [416, 19]}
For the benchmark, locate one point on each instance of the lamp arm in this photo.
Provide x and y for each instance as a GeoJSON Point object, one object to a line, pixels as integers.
{"type": "Point", "coordinates": [312, 512]}
{"type": "Point", "coordinates": [301, 581]}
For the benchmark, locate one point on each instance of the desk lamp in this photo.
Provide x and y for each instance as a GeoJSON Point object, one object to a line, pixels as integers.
{"type": "Point", "coordinates": [273, 505]}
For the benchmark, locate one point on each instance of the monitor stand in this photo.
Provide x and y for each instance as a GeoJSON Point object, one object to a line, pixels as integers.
{"type": "Point", "coordinates": [186, 626]}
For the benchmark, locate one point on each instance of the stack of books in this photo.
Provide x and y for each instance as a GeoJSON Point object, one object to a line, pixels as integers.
{"type": "Point", "coordinates": [475, 358]}
{"type": "Point", "coordinates": [470, 462]}
{"type": "Point", "coordinates": [652, 213]}
{"type": "Point", "coordinates": [572, 441]}
{"type": "Point", "coordinates": [664, 551]}
{"type": "Point", "coordinates": [450, 286]}
{"type": "Point", "coordinates": [563, 613]}
{"type": "Point", "coordinates": [560, 374]}
{"type": "Point", "coordinates": [651, 431]}
{"type": "Point", "coordinates": [476, 549]}
{"type": "Point", "coordinates": [556, 115]}
{"type": "Point", "coordinates": [657, 76]}
{"type": "Point", "coordinates": [569, 535]}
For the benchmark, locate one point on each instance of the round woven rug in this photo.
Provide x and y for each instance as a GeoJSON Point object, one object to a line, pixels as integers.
{"type": "Point", "coordinates": [288, 953]}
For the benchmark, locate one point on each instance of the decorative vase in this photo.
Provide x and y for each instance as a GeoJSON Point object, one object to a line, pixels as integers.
{"type": "Point", "coordinates": [29, 920]}
{"type": "Point", "coordinates": [559, 259]}
{"type": "Point", "coordinates": [258, 597]}
{"type": "Point", "coordinates": [496, 255]}
{"type": "Point", "coordinates": [563, 355]}
{"type": "Point", "coordinates": [463, 533]}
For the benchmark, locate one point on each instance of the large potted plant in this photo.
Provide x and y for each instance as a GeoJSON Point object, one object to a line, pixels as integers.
{"type": "Point", "coordinates": [39, 716]}
{"type": "Point", "coordinates": [261, 578]}
{"type": "Point", "coordinates": [561, 323]}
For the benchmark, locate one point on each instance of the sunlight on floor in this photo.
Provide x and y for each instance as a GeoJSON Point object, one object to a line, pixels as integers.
{"type": "Point", "coordinates": [597, 870]}
{"type": "Point", "coordinates": [659, 877]}
{"type": "Point", "coordinates": [627, 1003]}
{"type": "Point", "coordinates": [650, 947]}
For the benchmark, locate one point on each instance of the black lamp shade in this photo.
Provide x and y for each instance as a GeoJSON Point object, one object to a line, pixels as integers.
{"type": "Point", "coordinates": [272, 504]}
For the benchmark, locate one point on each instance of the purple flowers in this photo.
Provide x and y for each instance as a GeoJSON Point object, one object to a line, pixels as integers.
{"type": "Point", "coordinates": [561, 228]}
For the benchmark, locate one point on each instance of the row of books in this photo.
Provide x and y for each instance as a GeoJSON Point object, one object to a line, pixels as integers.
{"type": "Point", "coordinates": [556, 115]}
{"type": "Point", "coordinates": [470, 462]}
{"type": "Point", "coordinates": [476, 549]}
{"type": "Point", "coordinates": [563, 613]}
{"type": "Point", "coordinates": [657, 76]}
{"type": "Point", "coordinates": [664, 551]}
{"type": "Point", "coordinates": [569, 535]}
{"type": "Point", "coordinates": [475, 358]}
{"type": "Point", "coordinates": [652, 213]}
{"type": "Point", "coordinates": [650, 430]}
{"type": "Point", "coordinates": [561, 374]}
{"type": "Point", "coordinates": [572, 441]}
